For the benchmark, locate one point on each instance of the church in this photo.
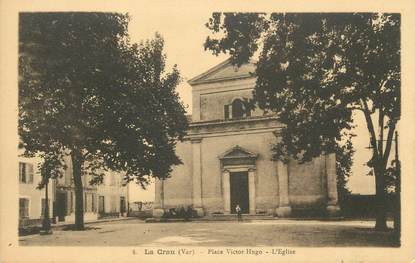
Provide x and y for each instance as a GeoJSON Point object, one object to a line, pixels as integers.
{"type": "Point", "coordinates": [227, 157]}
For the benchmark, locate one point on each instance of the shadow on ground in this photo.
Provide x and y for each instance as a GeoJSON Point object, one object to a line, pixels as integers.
{"type": "Point", "coordinates": [260, 233]}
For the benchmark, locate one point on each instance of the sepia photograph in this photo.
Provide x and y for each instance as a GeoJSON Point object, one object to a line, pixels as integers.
{"type": "Point", "coordinates": [168, 134]}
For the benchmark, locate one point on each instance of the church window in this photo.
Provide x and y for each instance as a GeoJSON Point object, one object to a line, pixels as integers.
{"type": "Point", "coordinates": [236, 110]}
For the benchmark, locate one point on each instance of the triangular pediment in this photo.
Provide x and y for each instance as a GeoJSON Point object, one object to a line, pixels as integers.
{"type": "Point", "coordinates": [224, 71]}
{"type": "Point", "coordinates": [237, 152]}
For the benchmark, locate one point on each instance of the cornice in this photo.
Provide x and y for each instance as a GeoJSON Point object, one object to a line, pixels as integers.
{"type": "Point", "coordinates": [200, 79]}
{"type": "Point", "coordinates": [246, 76]}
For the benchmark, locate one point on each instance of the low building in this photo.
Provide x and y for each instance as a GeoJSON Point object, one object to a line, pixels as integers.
{"type": "Point", "coordinates": [109, 199]}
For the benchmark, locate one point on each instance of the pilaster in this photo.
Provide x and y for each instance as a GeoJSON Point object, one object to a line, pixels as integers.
{"type": "Point", "coordinates": [284, 208]}
{"type": "Point", "coordinates": [226, 191]}
{"type": "Point", "coordinates": [197, 175]}
{"type": "Point", "coordinates": [158, 209]}
{"type": "Point", "coordinates": [252, 194]}
{"type": "Point", "coordinates": [332, 207]}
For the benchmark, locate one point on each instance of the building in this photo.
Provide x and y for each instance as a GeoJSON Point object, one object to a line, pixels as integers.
{"type": "Point", "coordinates": [32, 200]}
{"type": "Point", "coordinates": [109, 199]}
{"type": "Point", "coordinates": [227, 157]}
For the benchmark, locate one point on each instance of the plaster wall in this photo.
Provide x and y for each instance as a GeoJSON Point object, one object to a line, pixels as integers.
{"type": "Point", "coordinates": [265, 173]}
{"type": "Point", "coordinates": [179, 187]}
{"type": "Point", "coordinates": [34, 195]}
{"type": "Point", "coordinates": [306, 183]}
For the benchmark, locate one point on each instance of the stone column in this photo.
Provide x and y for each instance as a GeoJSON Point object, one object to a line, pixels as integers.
{"type": "Point", "coordinates": [251, 181]}
{"type": "Point", "coordinates": [197, 176]}
{"type": "Point", "coordinates": [226, 192]}
{"type": "Point", "coordinates": [70, 202]}
{"type": "Point", "coordinates": [333, 208]}
{"type": "Point", "coordinates": [284, 209]}
{"type": "Point", "coordinates": [158, 202]}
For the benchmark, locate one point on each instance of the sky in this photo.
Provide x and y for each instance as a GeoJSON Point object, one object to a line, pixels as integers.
{"type": "Point", "coordinates": [184, 34]}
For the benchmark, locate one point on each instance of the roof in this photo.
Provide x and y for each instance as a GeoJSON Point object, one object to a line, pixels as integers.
{"type": "Point", "coordinates": [224, 71]}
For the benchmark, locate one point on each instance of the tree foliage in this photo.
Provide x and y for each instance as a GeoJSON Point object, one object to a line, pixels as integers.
{"type": "Point", "coordinates": [344, 161]}
{"type": "Point", "coordinates": [87, 92]}
{"type": "Point", "coordinates": [314, 70]}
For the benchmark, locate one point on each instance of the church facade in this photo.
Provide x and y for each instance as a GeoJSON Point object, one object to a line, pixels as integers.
{"type": "Point", "coordinates": [227, 157]}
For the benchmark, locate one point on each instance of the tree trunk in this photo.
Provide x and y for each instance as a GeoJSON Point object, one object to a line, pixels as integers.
{"type": "Point", "coordinates": [46, 217]}
{"type": "Point", "coordinates": [397, 201]}
{"type": "Point", "coordinates": [380, 200]}
{"type": "Point", "coordinates": [79, 195]}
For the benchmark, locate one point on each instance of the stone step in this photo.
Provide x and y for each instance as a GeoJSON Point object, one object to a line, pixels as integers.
{"type": "Point", "coordinates": [235, 217]}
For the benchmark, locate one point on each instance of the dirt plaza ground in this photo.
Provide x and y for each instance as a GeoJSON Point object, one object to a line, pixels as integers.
{"type": "Point", "coordinates": [310, 233]}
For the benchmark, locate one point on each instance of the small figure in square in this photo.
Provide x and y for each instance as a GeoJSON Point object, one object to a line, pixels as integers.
{"type": "Point", "coordinates": [239, 212]}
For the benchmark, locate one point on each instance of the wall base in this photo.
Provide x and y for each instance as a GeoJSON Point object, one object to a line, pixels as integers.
{"type": "Point", "coordinates": [88, 216]}
{"type": "Point", "coordinates": [200, 212]}
{"type": "Point", "coordinates": [283, 211]}
{"type": "Point", "coordinates": [333, 210]}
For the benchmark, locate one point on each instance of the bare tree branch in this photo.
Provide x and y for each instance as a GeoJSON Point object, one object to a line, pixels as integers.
{"type": "Point", "coordinates": [389, 142]}
{"type": "Point", "coordinates": [370, 127]}
{"type": "Point", "coordinates": [380, 128]}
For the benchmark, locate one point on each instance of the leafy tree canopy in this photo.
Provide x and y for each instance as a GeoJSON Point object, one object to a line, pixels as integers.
{"type": "Point", "coordinates": [313, 71]}
{"type": "Point", "coordinates": [85, 89]}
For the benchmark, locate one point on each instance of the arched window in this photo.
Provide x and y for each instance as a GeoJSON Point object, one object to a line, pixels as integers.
{"type": "Point", "coordinates": [236, 110]}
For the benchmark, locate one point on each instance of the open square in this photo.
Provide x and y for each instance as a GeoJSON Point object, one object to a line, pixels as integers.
{"type": "Point", "coordinates": [258, 233]}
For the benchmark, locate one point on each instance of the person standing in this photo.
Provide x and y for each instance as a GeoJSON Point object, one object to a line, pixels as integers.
{"type": "Point", "coordinates": [238, 212]}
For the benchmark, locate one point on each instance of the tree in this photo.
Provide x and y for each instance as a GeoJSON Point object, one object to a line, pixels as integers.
{"type": "Point", "coordinates": [344, 161]}
{"type": "Point", "coordinates": [87, 92]}
{"type": "Point", "coordinates": [313, 71]}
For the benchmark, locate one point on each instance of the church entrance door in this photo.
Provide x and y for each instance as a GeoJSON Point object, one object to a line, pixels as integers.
{"type": "Point", "coordinates": [239, 191]}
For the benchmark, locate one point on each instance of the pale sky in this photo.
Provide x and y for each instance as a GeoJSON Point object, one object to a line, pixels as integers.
{"type": "Point", "coordinates": [184, 34]}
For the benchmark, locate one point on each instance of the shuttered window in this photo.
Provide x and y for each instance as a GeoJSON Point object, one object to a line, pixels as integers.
{"type": "Point", "coordinates": [93, 200]}
{"type": "Point", "coordinates": [101, 204]}
{"type": "Point", "coordinates": [23, 208]}
{"type": "Point", "coordinates": [25, 173]}
{"type": "Point", "coordinates": [226, 112]}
